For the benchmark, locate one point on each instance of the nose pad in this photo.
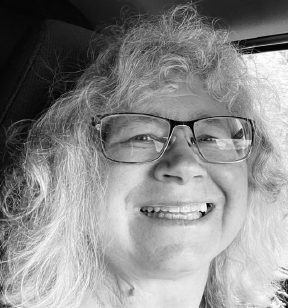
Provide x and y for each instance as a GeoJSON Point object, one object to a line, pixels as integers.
{"type": "Point", "coordinates": [180, 163]}
{"type": "Point", "coordinates": [191, 142]}
{"type": "Point", "coordinates": [187, 135]}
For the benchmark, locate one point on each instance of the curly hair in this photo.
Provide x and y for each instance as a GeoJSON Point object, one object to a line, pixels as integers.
{"type": "Point", "coordinates": [52, 200]}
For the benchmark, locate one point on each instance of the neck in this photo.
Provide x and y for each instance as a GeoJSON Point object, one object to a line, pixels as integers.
{"type": "Point", "coordinates": [184, 291]}
{"type": "Point", "coordinates": [135, 291]}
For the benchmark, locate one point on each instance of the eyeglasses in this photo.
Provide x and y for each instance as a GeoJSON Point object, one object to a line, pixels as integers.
{"type": "Point", "coordinates": [141, 138]}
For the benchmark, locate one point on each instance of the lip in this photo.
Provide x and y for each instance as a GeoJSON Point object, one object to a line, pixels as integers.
{"type": "Point", "coordinates": [180, 222]}
{"type": "Point", "coordinates": [175, 203]}
{"type": "Point", "coordinates": [177, 221]}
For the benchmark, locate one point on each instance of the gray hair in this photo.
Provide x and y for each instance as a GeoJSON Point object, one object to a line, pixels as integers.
{"type": "Point", "coordinates": [52, 202]}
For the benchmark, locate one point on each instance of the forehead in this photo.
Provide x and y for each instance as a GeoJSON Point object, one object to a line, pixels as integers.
{"type": "Point", "coordinates": [183, 102]}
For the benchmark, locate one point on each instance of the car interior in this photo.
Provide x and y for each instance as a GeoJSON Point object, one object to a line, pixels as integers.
{"type": "Point", "coordinates": [45, 45]}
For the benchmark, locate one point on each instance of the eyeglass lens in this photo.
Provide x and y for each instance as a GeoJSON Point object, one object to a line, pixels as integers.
{"type": "Point", "coordinates": [142, 138]}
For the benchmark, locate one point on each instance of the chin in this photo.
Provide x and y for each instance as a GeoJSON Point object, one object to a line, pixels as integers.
{"type": "Point", "coordinates": [170, 264]}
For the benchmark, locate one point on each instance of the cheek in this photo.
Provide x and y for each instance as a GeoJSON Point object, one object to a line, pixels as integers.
{"type": "Point", "coordinates": [122, 179]}
{"type": "Point", "coordinates": [234, 184]}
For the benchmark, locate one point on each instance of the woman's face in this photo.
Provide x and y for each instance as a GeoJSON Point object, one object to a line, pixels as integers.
{"type": "Point", "coordinates": [157, 247]}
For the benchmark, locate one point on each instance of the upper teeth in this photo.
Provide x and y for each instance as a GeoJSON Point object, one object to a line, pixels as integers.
{"type": "Point", "coordinates": [195, 207]}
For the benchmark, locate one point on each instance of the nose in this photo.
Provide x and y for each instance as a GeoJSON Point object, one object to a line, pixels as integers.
{"type": "Point", "coordinates": [180, 163]}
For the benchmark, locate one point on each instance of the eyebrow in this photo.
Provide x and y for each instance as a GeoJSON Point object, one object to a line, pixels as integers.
{"type": "Point", "coordinates": [125, 121]}
{"type": "Point", "coordinates": [200, 115]}
{"type": "Point", "coordinates": [197, 115]}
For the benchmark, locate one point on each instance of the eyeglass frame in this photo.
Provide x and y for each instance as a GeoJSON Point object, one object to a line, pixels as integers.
{"type": "Point", "coordinates": [173, 124]}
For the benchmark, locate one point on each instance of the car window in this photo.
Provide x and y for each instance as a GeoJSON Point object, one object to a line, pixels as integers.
{"type": "Point", "coordinates": [272, 67]}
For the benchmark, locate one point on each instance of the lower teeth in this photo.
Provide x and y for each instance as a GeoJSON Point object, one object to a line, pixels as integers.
{"type": "Point", "coordinates": [188, 216]}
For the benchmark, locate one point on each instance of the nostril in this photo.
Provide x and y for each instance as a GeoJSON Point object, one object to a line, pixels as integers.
{"type": "Point", "coordinates": [173, 178]}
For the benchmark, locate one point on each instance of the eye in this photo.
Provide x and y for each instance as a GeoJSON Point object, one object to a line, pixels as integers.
{"type": "Point", "coordinates": [145, 141]}
{"type": "Point", "coordinates": [206, 138]}
{"type": "Point", "coordinates": [142, 137]}
{"type": "Point", "coordinates": [148, 138]}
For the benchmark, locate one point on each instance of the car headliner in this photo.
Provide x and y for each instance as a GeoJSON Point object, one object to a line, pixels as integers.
{"type": "Point", "coordinates": [244, 18]}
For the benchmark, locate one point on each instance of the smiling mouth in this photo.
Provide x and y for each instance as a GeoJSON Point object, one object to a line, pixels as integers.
{"type": "Point", "coordinates": [187, 212]}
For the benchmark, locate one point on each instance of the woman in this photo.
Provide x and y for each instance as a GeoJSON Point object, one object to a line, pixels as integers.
{"type": "Point", "coordinates": [153, 184]}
